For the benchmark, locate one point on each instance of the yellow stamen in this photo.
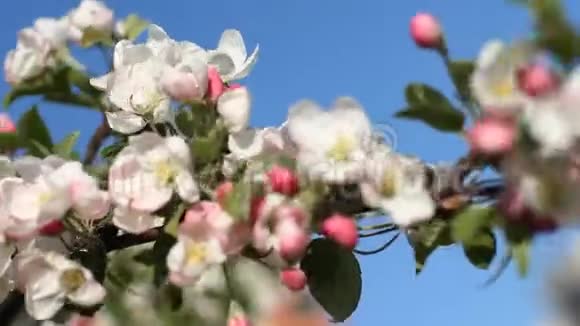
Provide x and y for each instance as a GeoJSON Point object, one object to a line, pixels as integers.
{"type": "Point", "coordinates": [45, 197]}
{"type": "Point", "coordinates": [165, 172]}
{"type": "Point", "coordinates": [389, 184]}
{"type": "Point", "coordinates": [72, 279]}
{"type": "Point", "coordinates": [503, 88]}
{"type": "Point", "coordinates": [196, 253]}
{"type": "Point", "coordinates": [341, 149]}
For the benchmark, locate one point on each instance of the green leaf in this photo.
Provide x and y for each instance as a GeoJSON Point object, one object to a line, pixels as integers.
{"type": "Point", "coordinates": [32, 128]}
{"type": "Point", "coordinates": [480, 249]}
{"type": "Point", "coordinates": [521, 255]}
{"type": "Point", "coordinates": [9, 140]}
{"type": "Point", "coordinates": [134, 26]}
{"type": "Point", "coordinates": [160, 251]}
{"type": "Point", "coordinates": [112, 150]}
{"type": "Point", "coordinates": [426, 238]}
{"type": "Point", "coordinates": [461, 71]}
{"type": "Point", "coordinates": [469, 221]}
{"type": "Point", "coordinates": [418, 94]}
{"type": "Point", "coordinates": [553, 30]}
{"type": "Point", "coordinates": [443, 117]}
{"type": "Point", "coordinates": [34, 86]}
{"type": "Point", "coordinates": [334, 278]}
{"type": "Point", "coordinates": [92, 36]}
{"type": "Point", "coordinates": [39, 149]}
{"type": "Point", "coordinates": [65, 148]}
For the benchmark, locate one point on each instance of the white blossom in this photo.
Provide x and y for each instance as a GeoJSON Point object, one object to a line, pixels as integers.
{"type": "Point", "coordinates": [331, 145]}
{"type": "Point", "coordinates": [29, 59]}
{"type": "Point", "coordinates": [145, 175]}
{"type": "Point", "coordinates": [494, 81]}
{"type": "Point", "coordinates": [90, 14]}
{"type": "Point", "coordinates": [49, 280]}
{"type": "Point", "coordinates": [397, 185]}
{"type": "Point", "coordinates": [234, 108]}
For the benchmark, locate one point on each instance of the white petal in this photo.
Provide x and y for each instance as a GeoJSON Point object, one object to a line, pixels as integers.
{"type": "Point", "coordinates": [179, 149]}
{"type": "Point", "coordinates": [176, 256]}
{"type": "Point", "coordinates": [246, 144]}
{"type": "Point", "coordinates": [489, 53]}
{"type": "Point", "coordinates": [6, 252]}
{"type": "Point", "coordinates": [133, 221]}
{"type": "Point", "coordinates": [232, 43]}
{"type": "Point", "coordinates": [89, 294]}
{"type": "Point", "coordinates": [125, 122]}
{"type": "Point", "coordinates": [148, 195]}
{"type": "Point", "coordinates": [44, 296]}
{"type": "Point", "coordinates": [245, 69]}
{"type": "Point", "coordinates": [28, 167]}
{"type": "Point", "coordinates": [223, 64]}
{"type": "Point", "coordinates": [186, 186]}
{"type": "Point", "coordinates": [409, 209]}
{"type": "Point", "coordinates": [234, 107]}
{"type": "Point", "coordinates": [145, 141]}
{"type": "Point", "coordinates": [350, 116]}
{"type": "Point", "coordinates": [102, 82]}
{"type": "Point", "coordinates": [127, 53]}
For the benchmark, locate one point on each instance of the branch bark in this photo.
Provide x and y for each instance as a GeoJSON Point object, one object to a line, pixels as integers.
{"type": "Point", "coordinates": [99, 136]}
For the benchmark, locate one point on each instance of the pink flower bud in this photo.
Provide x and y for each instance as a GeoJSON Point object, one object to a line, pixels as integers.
{"type": "Point", "coordinates": [283, 180]}
{"type": "Point", "coordinates": [425, 30]}
{"type": "Point", "coordinates": [293, 240]}
{"type": "Point", "coordinates": [182, 86]}
{"type": "Point", "coordinates": [215, 86]}
{"type": "Point", "coordinates": [6, 124]}
{"type": "Point", "coordinates": [293, 278]}
{"type": "Point", "coordinates": [222, 191]}
{"type": "Point", "coordinates": [342, 229]}
{"type": "Point", "coordinates": [537, 80]}
{"type": "Point", "coordinates": [239, 321]}
{"type": "Point", "coordinates": [52, 228]}
{"type": "Point", "coordinates": [492, 135]}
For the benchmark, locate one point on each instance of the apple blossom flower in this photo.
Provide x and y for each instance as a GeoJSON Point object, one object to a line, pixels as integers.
{"type": "Point", "coordinates": [230, 58]}
{"type": "Point", "coordinates": [90, 14]}
{"type": "Point", "coordinates": [202, 242]}
{"type": "Point", "coordinates": [397, 185]}
{"type": "Point", "coordinates": [49, 280]}
{"type": "Point", "coordinates": [144, 176]}
{"type": "Point", "coordinates": [425, 30]}
{"type": "Point", "coordinates": [146, 76]}
{"type": "Point", "coordinates": [331, 145]}
{"type": "Point", "coordinates": [133, 88]}
{"type": "Point", "coordinates": [495, 79]}
{"type": "Point", "coordinates": [30, 58]}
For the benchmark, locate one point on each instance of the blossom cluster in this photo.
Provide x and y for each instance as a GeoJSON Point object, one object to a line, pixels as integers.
{"type": "Point", "coordinates": [530, 112]}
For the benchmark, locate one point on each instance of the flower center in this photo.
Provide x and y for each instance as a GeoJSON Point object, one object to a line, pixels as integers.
{"type": "Point", "coordinates": [165, 172]}
{"type": "Point", "coordinates": [341, 149]}
{"type": "Point", "coordinates": [503, 88]}
{"type": "Point", "coordinates": [151, 100]}
{"type": "Point", "coordinates": [389, 184]}
{"type": "Point", "coordinates": [44, 198]}
{"type": "Point", "coordinates": [196, 253]}
{"type": "Point", "coordinates": [72, 279]}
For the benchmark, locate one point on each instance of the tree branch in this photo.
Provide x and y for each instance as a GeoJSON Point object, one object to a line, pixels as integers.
{"type": "Point", "coordinates": [99, 136]}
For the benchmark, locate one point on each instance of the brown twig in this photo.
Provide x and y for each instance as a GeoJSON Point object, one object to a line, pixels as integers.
{"type": "Point", "coordinates": [101, 133]}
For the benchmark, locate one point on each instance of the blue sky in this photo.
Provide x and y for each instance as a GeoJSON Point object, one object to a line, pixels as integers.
{"type": "Point", "coordinates": [324, 49]}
